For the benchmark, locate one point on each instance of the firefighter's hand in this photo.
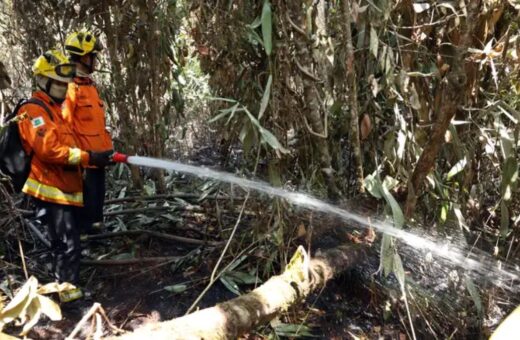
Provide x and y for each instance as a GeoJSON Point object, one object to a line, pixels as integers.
{"type": "Point", "coordinates": [100, 159]}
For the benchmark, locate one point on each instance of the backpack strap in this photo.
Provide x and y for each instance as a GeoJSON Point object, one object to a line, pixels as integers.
{"type": "Point", "coordinates": [38, 102]}
{"type": "Point", "coordinates": [35, 101]}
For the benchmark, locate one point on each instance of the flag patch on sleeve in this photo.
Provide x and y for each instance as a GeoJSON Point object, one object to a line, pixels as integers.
{"type": "Point", "coordinates": [37, 122]}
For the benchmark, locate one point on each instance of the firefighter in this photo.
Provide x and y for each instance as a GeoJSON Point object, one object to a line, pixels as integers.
{"type": "Point", "coordinates": [54, 183]}
{"type": "Point", "coordinates": [85, 111]}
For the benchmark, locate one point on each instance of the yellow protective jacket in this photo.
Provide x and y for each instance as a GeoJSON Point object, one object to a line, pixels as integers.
{"type": "Point", "coordinates": [55, 166]}
{"type": "Point", "coordinates": [85, 112]}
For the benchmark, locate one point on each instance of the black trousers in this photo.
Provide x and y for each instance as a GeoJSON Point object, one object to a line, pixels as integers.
{"type": "Point", "coordinates": [62, 226]}
{"type": "Point", "coordinates": [93, 198]}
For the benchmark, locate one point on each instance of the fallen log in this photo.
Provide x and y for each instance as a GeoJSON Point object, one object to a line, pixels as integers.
{"type": "Point", "coordinates": [230, 319]}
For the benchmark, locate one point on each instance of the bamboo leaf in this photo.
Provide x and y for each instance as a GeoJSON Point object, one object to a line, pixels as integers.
{"type": "Point", "coordinates": [293, 330]}
{"type": "Point", "coordinates": [217, 117]}
{"type": "Point", "coordinates": [398, 270]}
{"type": "Point", "coordinates": [265, 98]}
{"type": "Point", "coordinates": [387, 255]}
{"type": "Point", "coordinates": [55, 287]}
{"type": "Point", "coordinates": [18, 305]}
{"type": "Point", "coordinates": [33, 312]}
{"type": "Point", "coordinates": [509, 178]}
{"type": "Point", "coordinates": [49, 308]}
{"type": "Point", "coordinates": [230, 284]}
{"type": "Point", "coordinates": [178, 288]}
{"type": "Point", "coordinates": [374, 42]}
{"type": "Point", "coordinates": [243, 278]}
{"type": "Point", "coordinates": [372, 185]}
{"type": "Point", "coordinates": [228, 100]}
{"type": "Point", "coordinates": [397, 213]}
{"type": "Point", "coordinates": [444, 212]}
{"type": "Point", "coordinates": [473, 292]}
{"type": "Point", "coordinates": [272, 141]}
{"type": "Point", "coordinates": [457, 168]}
{"type": "Point", "coordinates": [256, 23]}
{"type": "Point", "coordinates": [267, 27]}
{"type": "Point", "coordinates": [504, 219]}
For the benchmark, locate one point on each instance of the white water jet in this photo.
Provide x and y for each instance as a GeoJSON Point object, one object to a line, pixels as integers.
{"type": "Point", "coordinates": [481, 263]}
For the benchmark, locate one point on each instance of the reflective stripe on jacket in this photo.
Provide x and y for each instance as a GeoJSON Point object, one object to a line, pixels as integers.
{"type": "Point", "coordinates": [85, 111]}
{"type": "Point", "coordinates": [55, 167]}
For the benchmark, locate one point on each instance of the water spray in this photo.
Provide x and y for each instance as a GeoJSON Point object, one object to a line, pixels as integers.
{"type": "Point", "coordinates": [482, 264]}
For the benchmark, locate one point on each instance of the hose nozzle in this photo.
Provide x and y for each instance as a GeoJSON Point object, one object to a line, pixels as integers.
{"type": "Point", "coordinates": [119, 157]}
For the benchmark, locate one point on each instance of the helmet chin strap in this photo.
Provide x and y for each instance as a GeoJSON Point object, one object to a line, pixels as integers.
{"type": "Point", "coordinates": [46, 87]}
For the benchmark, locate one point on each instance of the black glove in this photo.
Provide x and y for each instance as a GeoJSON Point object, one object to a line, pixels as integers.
{"type": "Point", "coordinates": [100, 159]}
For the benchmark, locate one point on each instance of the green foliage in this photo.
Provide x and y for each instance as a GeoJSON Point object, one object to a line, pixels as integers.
{"type": "Point", "coordinates": [267, 27]}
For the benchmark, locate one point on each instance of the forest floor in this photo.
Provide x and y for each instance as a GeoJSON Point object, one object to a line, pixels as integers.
{"type": "Point", "coordinates": [140, 293]}
{"type": "Point", "coordinates": [133, 295]}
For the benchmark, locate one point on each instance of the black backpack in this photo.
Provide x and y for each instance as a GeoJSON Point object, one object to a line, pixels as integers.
{"type": "Point", "coordinates": [14, 161]}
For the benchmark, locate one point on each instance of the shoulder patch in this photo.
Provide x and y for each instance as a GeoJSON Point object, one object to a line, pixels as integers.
{"type": "Point", "coordinates": [37, 122]}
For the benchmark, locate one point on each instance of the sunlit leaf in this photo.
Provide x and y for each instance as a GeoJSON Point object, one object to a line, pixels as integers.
{"type": "Point", "coordinates": [401, 144]}
{"type": "Point", "coordinates": [265, 98]}
{"type": "Point", "coordinates": [18, 305]}
{"type": "Point", "coordinates": [390, 182]}
{"type": "Point", "coordinates": [33, 313]}
{"type": "Point", "coordinates": [373, 186]}
{"type": "Point", "coordinates": [55, 287]}
{"type": "Point", "coordinates": [421, 7]}
{"type": "Point", "coordinates": [374, 42]}
{"type": "Point", "coordinates": [444, 212]}
{"type": "Point", "coordinates": [457, 168]}
{"type": "Point", "coordinates": [460, 218]}
{"type": "Point", "coordinates": [49, 308]}
{"type": "Point", "coordinates": [267, 27]}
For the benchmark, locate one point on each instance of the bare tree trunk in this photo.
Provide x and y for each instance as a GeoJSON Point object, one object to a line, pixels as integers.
{"type": "Point", "coordinates": [353, 96]}
{"type": "Point", "coordinates": [155, 94]}
{"type": "Point", "coordinates": [313, 112]}
{"type": "Point", "coordinates": [230, 319]}
{"type": "Point", "coordinates": [124, 117]}
{"type": "Point", "coordinates": [451, 95]}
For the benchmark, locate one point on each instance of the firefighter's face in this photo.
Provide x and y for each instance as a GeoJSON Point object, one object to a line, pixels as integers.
{"type": "Point", "coordinates": [58, 89]}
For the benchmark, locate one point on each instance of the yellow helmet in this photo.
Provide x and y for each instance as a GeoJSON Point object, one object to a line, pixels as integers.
{"type": "Point", "coordinates": [55, 65]}
{"type": "Point", "coordinates": [82, 42]}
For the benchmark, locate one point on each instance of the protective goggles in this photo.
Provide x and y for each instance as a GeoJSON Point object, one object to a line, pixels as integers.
{"type": "Point", "coordinates": [65, 70]}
